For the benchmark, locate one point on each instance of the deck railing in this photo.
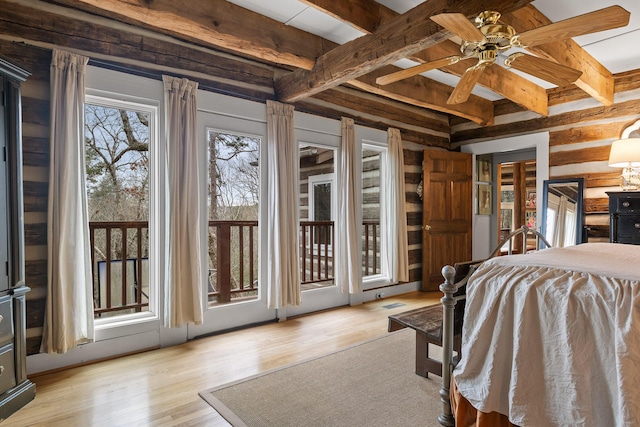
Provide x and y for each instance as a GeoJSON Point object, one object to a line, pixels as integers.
{"type": "Point", "coordinates": [316, 251]}
{"type": "Point", "coordinates": [233, 260]}
{"type": "Point", "coordinates": [122, 287]}
{"type": "Point", "coordinates": [119, 287]}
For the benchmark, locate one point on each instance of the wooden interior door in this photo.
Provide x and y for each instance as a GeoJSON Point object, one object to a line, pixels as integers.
{"type": "Point", "coordinates": [447, 213]}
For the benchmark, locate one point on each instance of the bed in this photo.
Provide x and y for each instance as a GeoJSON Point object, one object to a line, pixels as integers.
{"type": "Point", "coordinates": [549, 338]}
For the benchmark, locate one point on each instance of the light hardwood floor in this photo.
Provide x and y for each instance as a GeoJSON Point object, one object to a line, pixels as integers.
{"type": "Point", "coordinates": [160, 387]}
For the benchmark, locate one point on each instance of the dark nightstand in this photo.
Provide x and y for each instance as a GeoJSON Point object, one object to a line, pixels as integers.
{"type": "Point", "coordinates": [624, 213]}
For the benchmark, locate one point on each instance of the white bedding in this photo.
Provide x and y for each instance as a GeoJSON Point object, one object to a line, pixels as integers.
{"type": "Point", "coordinates": [553, 337]}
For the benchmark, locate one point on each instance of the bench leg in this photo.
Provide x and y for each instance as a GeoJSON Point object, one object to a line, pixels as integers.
{"type": "Point", "coordinates": [424, 364]}
{"type": "Point", "coordinates": [422, 352]}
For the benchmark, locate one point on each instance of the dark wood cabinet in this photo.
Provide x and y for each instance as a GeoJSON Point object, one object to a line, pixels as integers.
{"type": "Point", "coordinates": [624, 212]}
{"type": "Point", "coordinates": [15, 389]}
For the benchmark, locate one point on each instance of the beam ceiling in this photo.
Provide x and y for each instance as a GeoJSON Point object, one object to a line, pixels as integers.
{"type": "Point", "coordinates": [318, 64]}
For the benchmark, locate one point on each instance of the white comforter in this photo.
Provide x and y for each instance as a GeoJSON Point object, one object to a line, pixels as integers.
{"type": "Point", "coordinates": [553, 337]}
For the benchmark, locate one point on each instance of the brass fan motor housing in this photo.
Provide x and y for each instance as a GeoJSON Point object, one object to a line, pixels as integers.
{"type": "Point", "coordinates": [497, 37]}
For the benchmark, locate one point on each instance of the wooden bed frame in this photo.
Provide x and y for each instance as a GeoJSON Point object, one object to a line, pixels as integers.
{"type": "Point", "coordinates": [454, 290]}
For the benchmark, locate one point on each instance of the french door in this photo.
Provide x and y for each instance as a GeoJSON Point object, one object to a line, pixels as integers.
{"type": "Point", "coordinates": [233, 168]}
{"type": "Point", "coordinates": [318, 195]}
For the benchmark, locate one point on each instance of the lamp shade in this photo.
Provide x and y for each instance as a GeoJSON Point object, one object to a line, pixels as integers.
{"type": "Point", "coordinates": [625, 153]}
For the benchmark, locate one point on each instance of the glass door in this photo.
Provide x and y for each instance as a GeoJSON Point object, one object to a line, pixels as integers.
{"type": "Point", "coordinates": [233, 170]}
{"type": "Point", "coordinates": [318, 156]}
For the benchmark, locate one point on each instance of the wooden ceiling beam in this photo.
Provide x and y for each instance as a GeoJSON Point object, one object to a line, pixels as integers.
{"type": "Point", "coordinates": [596, 80]}
{"type": "Point", "coordinates": [364, 15]}
{"type": "Point", "coordinates": [368, 15]}
{"type": "Point", "coordinates": [428, 94]}
{"type": "Point", "coordinates": [224, 25]}
{"type": "Point", "coordinates": [398, 38]}
{"type": "Point", "coordinates": [216, 23]}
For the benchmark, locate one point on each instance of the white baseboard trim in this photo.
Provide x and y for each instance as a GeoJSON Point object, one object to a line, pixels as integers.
{"type": "Point", "coordinates": [391, 290]}
{"type": "Point", "coordinates": [43, 362]}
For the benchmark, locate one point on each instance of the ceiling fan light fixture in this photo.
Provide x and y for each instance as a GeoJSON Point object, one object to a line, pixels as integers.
{"type": "Point", "coordinates": [487, 55]}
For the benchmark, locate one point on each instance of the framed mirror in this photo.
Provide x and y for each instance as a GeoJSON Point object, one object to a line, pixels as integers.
{"type": "Point", "coordinates": [562, 211]}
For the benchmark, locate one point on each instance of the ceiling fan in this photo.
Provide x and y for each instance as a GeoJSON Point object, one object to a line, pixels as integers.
{"type": "Point", "coordinates": [488, 37]}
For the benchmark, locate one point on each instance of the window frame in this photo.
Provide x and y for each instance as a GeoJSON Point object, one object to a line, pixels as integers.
{"type": "Point", "coordinates": [152, 108]}
{"type": "Point", "coordinates": [382, 278]}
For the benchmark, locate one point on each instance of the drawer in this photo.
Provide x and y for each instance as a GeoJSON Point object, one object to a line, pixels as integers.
{"type": "Point", "coordinates": [627, 204]}
{"type": "Point", "coordinates": [6, 318]}
{"type": "Point", "coordinates": [628, 225]}
{"type": "Point", "coordinates": [7, 368]}
{"type": "Point", "coordinates": [635, 240]}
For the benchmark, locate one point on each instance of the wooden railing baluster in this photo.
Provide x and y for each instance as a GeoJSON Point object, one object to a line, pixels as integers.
{"type": "Point", "coordinates": [235, 277]}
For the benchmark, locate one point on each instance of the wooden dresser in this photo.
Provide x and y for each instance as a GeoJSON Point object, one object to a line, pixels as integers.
{"type": "Point", "coordinates": [15, 389]}
{"type": "Point", "coordinates": [624, 212]}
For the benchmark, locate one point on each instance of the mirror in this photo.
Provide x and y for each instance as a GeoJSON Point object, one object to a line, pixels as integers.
{"type": "Point", "coordinates": [562, 212]}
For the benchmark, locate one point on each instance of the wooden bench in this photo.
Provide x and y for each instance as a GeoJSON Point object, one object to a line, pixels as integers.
{"type": "Point", "coordinates": [427, 322]}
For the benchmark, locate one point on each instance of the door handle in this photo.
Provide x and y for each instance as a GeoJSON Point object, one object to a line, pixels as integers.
{"type": "Point", "coordinates": [426, 227]}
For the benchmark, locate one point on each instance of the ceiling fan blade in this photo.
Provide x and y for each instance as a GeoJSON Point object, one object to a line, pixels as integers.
{"type": "Point", "coordinates": [592, 22]}
{"type": "Point", "coordinates": [412, 71]}
{"type": "Point", "coordinates": [464, 87]}
{"type": "Point", "coordinates": [459, 25]}
{"type": "Point", "coordinates": [544, 69]}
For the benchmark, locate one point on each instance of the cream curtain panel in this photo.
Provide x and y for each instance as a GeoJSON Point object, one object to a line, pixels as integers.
{"type": "Point", "coordinates": [283, 248]}
{"type": "Point", "coordinates": [69, 307]}
{"type": "Point", "coordinates": [348, 257]}
{"type": "Point", "coordinates": [184, 295]}
{"type": "Point", "coordinates": [397, 245]}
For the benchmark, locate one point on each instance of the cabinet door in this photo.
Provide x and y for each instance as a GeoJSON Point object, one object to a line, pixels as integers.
{"type": "Point", "coordinates": [4, 237]}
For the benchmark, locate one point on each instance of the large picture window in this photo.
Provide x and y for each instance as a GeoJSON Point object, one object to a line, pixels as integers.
{"type": "Point", "coordinates": [233, 196]}
{"type": "Point", "coordinates": [118, 139]}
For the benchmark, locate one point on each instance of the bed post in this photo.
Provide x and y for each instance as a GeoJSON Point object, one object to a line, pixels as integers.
{"type": "Point", "coordinates": [448, 288]}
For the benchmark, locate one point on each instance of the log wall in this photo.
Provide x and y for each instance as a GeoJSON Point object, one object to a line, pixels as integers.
{"type": "Point", "coordinates": [580, 134]}
{"type": "Point", "coordinates": [35, 147]}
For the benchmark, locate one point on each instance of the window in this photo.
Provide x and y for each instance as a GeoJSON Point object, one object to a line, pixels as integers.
{"type": "Point", "coordinates": [119, 137]}
{"type": "Point", "coordinates": [321, 205]}
{"type": "Point", "coordinates": [373, 237]}
{"type": "Point", "coordinates": [234, 190]}
{"type": "Point", "coordinates": [318, 204]}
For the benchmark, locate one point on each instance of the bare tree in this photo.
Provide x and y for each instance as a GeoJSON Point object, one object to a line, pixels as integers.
{"type": "Point", "coordinates": [117, 146]}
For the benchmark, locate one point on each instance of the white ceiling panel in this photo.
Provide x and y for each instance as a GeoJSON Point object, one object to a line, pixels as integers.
{"type": "Point", "coordinates": [279, 10]}
{"type": "Point", "coordinates": [400, 6]}
{"type": "Point", "coordinates": [316, 22]}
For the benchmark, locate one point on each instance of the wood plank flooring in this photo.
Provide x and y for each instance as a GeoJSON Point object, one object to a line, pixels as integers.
{"type": "Point", "coordinates": [160, 387]}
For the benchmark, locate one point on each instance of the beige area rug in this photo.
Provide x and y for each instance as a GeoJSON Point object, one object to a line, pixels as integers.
{"type": "Point", "coordinates": [369, 384]}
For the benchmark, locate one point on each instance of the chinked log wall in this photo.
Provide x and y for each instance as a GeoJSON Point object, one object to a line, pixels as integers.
{"type": "Point", "coordinates": [580, 134]}
{"type": "Point", "coordinates": [27, 36]}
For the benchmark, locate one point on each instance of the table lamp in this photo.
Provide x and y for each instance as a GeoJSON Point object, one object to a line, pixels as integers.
{"type": "Point", "coordinates": [625, 153]}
